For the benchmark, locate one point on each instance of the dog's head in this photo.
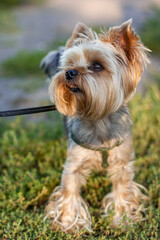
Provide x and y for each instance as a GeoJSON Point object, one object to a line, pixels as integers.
{"type": "Point", "coordinates": [98, 73]}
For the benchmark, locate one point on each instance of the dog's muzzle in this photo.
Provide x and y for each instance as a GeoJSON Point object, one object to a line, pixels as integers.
{"type": "Point", "coordinates": [71, 74]}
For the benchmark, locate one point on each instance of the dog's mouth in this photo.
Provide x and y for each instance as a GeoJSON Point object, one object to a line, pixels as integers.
{"type": "Point", "coordinates": [73, 88]}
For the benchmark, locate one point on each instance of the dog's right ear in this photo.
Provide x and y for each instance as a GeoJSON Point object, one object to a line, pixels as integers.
{"type": "Point", "coordinates": [81, 32]}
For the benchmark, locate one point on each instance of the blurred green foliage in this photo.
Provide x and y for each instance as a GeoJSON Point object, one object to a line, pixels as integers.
{"type": "Point", "coordinates": [150, 33]}
{"type": "Point", "coordinates": [12, 3]}
{"type": "Point", "coordinates": [7, 21]}
{"type": "Point", "coordinates": [31, 163]}
{"type": "Point", "coordinates": [24, 63]}
{"type": "Point", "coordinates": [27, 63]}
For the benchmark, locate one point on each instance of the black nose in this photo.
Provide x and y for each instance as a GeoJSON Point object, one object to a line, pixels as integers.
{"type": "Point", "coordinates": [70, 74]}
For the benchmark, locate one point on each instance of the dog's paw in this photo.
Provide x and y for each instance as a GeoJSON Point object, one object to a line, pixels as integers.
{"type": "Point", "coordinates": [67, 211]}
{"type": "Point", "coordinates": [128, 203]}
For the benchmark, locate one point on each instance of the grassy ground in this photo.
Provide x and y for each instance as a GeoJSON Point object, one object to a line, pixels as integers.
{"type": "Point", "coordinates": [24, 63]}
{"type": "Point", "coordinates": [7, 21]}
{"type": "Point", "coordinates": [31, 162]}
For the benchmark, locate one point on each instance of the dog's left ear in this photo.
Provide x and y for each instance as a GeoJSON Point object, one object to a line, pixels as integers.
{"type": "Point", "coordinates": [131, 49]}
{"type": "Point", "coordinates": [81, 32]}
{"type": "Point", "coordinates": [124, 37]}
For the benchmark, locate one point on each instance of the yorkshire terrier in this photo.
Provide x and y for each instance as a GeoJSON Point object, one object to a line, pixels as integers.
{"type": "Point", "coordinates": [96, 78]}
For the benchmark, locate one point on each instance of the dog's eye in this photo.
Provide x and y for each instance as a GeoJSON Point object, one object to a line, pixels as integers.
{"type": "Point", "coordinates": [97, 67]}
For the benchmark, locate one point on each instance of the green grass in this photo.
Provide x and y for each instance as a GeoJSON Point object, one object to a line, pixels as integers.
{"type": "Point", "coordinates": [31, 163]}
{"type": "Point", "coordinates": [7, 21]}
{"type": "Point", "coordinates": [27, 63]}
{"type": "Point", "coordinates": [23, 64]}
{"type": "Point", "coordinates": [150, 33]}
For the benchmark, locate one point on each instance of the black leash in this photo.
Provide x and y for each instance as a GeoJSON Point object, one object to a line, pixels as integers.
{"type": "Point", "coordinates": [26, 111]}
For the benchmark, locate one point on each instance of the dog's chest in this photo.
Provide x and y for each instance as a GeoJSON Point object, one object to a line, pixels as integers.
{"type": "Point", "coordinates": [100, 132]}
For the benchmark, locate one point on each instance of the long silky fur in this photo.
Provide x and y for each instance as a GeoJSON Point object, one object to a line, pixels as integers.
{"type": "Point", "coordinates": [97, 114]}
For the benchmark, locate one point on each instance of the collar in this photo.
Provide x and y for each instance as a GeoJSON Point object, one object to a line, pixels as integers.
{"type": "Point", "coordinates": [103, 150]}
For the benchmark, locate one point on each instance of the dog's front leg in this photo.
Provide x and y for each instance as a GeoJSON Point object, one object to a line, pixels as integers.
{"type": "Point", "coordinates": [66, 208]}
{"type": "Point", "coordinates": [126, 195]}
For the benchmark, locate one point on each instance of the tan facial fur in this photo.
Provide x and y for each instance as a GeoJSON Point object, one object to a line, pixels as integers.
{"type": "Point", "coordinates": [122, 56]}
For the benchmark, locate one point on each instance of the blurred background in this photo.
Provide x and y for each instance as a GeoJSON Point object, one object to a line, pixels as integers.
{"type": "Point", "coordinates": [33, 147]}
{"type": "Point", "coordinates": [31, 28]}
